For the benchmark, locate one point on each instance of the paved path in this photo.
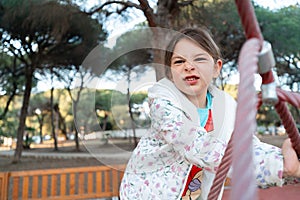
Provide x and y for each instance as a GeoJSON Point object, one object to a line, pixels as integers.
{"type": "Point", "coordinates": [67, 155]}
{"type": "Point", "coordinates": [114, 150]}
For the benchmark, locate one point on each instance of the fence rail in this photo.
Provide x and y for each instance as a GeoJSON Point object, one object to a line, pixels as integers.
{"type": "Point", "coordinates": [61, 184]}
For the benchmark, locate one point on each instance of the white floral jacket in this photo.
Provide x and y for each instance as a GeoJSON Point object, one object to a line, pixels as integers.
{"type": "Point", "coordinates": [159, 166]}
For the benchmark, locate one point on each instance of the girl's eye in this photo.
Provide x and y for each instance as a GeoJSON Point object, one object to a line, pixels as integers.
{"type": "Point", "coordinates": [178, 62]}
{"type": "Point", "coordinates": [199, 59]}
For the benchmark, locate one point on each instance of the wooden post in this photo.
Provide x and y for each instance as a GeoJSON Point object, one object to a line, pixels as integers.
{"type": "Point", "coordinates": [4, 179]}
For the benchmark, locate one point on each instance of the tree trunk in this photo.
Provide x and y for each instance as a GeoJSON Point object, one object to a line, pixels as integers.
{"type": "Point", "coordinates": [10, 99]}
{"type": "Point", "coordinates": [105, 119]}
{"type": "Point", "coordinates": [76, 128]}
{"type": "Point", "coordinates": [75, 104]}
{"type": "Point", "coordinates": [23, 115]}
{"type": "Point", "coordinates": [41, 134]}
{"type": "Point", "coordinates": [129, 107]}
{"type": "Point", "coordinates": [131, 118]}
{"type": "Point", "coordinates": [41, 122]}
{"type": "Point", "coordinates": [61, 122]}
{"type": "Point", "coordinates": [52, 121]}
{"type": "Point", "coordinates": [164, 18]}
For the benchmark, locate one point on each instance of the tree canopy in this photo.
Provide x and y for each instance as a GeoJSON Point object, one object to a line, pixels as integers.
{"type": "Point", "coordinates": [42, 35]}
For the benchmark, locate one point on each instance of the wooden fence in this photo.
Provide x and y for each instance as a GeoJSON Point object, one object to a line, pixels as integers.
{"type": "Point", "coordinates": [61, 184]}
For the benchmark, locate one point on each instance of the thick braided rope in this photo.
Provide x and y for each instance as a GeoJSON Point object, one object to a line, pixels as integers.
{"type": "Point", "coordinates": [286, 117]}
{"type": "Point", "coordinates": [244, 186]}
{"type": "Point", "coordinates": [252, 30]}
{"type": "Point", "coordinates": [290, 97]}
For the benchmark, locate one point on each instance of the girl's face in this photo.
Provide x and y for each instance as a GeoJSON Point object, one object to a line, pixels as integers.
{"type": "Point", "coordinates": [192, 70]}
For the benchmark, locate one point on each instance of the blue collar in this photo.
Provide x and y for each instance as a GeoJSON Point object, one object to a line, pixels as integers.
{"type": "Point", "coordinates": [203, 112]}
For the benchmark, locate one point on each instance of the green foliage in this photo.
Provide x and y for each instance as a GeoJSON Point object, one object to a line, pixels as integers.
{"type": "Point", "coordinates": [280, 27]}
{"type": "Point", "coordinates": [267, 115]}
{"type": "Point", "coordinates": [105, 99]}
{"type": "Point", "coordinates": [62, 34]}
{"type": "Point", "coordinates": [115, 105]}
{"type": "Point", "coordinates": [9, 77]}
{"type": "Point", "coordinates": [138, 98]}
{"type": "Point", "coordinates": [221, 18]}
{"type": "Point", "coordinates": [120, 115]}
{"type": "Point", "coordinates": [109, 106]}
{"type": "Point", "coordinates": [44, 35]}
{"type": "Point", "coordinates": [8, 127]}
{"type": "Point", "coordinates": [39, 101]}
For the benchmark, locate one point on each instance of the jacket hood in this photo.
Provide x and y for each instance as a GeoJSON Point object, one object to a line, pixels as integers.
{"type": "Point", "coordinates": [223, 105]}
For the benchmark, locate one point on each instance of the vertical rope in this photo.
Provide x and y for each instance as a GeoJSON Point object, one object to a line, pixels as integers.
{"type": "Point", "coordinates": [248, 19]}
{"type": "Point", "coordinates": [221, 173]}
{"type": "Point", "coordinates": [245, 125]}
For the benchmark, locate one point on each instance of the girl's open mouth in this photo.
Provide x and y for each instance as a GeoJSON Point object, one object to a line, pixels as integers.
{"type": "Point", "coordinates": [191, 80]}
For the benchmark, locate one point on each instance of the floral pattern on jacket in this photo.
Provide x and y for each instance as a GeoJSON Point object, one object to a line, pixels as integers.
{"type": "Point", "coordinates": [161, 162]}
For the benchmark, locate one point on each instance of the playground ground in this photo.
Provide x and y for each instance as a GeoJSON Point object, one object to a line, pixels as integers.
{"type": "Point", "coordinates": [92, 153]}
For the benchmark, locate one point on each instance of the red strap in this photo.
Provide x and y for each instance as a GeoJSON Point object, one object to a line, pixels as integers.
{"type": "Point", "coordinates": [209, 126]}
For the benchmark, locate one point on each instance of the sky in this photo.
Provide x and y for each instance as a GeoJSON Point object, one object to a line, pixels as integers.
{"type": "Point", "coordinates": [135, 19]}
{"type": "Point", "coordinates": [276, 4]}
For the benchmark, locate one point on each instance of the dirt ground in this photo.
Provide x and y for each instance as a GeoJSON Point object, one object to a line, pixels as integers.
{"type": "Point", "coordinates": [67, 156]}
{"type": "Point", "coordinates": [39, 162]}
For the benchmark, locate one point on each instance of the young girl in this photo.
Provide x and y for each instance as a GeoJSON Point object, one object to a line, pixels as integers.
{"type": "Point", "coordinates": [191, 124]}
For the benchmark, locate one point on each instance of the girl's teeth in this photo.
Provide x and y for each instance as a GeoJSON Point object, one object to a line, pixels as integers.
{"type": "Point", "coordinates": [190, 79]}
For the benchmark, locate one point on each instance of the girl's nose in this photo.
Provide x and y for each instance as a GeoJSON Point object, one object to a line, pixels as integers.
{"type": "Point", "coordinates": [188, 66]}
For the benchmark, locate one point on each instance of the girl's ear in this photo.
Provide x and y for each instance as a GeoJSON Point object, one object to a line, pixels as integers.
{"type": "Point", "coordinates": [217, 68]}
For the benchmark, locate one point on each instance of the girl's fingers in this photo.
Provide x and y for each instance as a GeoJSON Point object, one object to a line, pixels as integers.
{"type": "Point", "coordinates": [291, 162]}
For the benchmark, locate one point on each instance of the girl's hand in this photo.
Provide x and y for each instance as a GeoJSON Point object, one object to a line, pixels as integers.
{"type": "Point", "coordinates": [291, 162]}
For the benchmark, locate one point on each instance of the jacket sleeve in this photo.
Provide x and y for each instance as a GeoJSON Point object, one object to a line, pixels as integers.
{"type": "Point", "coordinates": [268, 162]}
{"type": "Point", "coordinates": [189, 139]}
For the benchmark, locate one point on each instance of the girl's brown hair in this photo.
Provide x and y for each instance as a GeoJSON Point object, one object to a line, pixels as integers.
{"type": "Point", "coordinates": [200, 36]}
